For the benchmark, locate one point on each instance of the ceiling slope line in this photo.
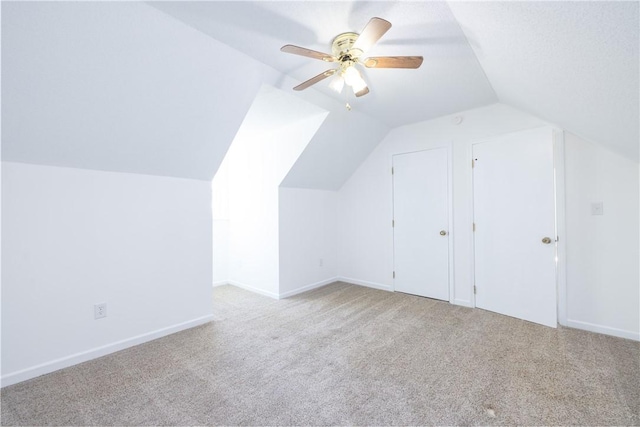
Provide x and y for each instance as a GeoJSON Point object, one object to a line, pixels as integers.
{"type": "Point", "coordinates": [475, 53]}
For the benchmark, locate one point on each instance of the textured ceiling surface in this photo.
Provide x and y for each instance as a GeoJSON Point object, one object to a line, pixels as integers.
{"type": "Point", "coordinates": [571, 63]}
{"type": "Point", "coordinates": [575, 64]}
{"type": "Point", "coordinates": [161, 88]}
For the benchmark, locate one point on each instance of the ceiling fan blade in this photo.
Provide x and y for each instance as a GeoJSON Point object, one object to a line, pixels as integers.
{"type": "Point", "coordinates": [315, 79]}
{"type": "Point", "coordinates": [297, 50]}
{"type": "Point", "coordinates": [393, 62]}
{"type": "Point", "coordinates": [371, 34]}
{"type": "Point", "coordinates": [362, 92]}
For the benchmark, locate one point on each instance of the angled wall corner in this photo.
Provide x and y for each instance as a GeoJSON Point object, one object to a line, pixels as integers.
{"type": "Point", "coordinates": [342, 143]}
{"type": "Point", "coordinates": [275, 131]}
{"type": "Point", "coordinates": [308, 197]}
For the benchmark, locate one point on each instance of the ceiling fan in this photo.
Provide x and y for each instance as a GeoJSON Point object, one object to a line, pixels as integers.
{"type": "Point", "coordinates": [348, 50]}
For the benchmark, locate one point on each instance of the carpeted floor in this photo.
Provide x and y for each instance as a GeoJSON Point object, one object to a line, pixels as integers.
{"type": "Point", "coordinates": [344, 354]}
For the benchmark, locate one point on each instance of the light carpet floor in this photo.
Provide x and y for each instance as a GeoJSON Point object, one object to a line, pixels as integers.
{"type": "Point", "coordinates": [344, 354]}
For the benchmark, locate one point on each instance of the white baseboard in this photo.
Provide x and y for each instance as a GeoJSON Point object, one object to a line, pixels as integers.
{"type": "Point", "coordinates": [94, 353]}
{"type": "Point", "coordinates": [592, 327]}
{"type": "Point", "coordinates": [252, 289]}
{"type": "Point", "coordinates": [462, 302]}
{"type": "Point", "coordinates": [220, 283]}
{"type": "Point", "coordinates": [308, 287]}
{"type": "Point", "coordinates": [365, 283]}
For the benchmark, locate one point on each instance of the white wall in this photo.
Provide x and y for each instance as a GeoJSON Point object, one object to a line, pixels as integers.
{"type": "Point", "coordinates": [602, 252]}
{"type": "Point", "coordinates": [365, 202]}
{"type": "Point", "coordinates": [308, 239]}
{"type": "Point", "coordinates": [74, 238]}
{"type": "Point", "coordinates": [0, 210]}
{"type": "Point", "coordinates": [603, 282]}
{"type": "Point", "coordinates": [276, 130]}
{"type": "Point", "coordinates": [220, 210]}
{"type": "Point", "coordinates": [253, 212]}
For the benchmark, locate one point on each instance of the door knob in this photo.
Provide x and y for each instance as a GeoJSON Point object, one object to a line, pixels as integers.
{"type": "Point", "coordinates": [546, 240]}
{"type": "Point", "coordinates": [443, 233]}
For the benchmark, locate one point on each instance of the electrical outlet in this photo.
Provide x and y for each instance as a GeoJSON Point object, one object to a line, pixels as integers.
{"type": "Point", "coordinates": [321, 262]}
{"type": "Point", "coordinates": [100, 310]}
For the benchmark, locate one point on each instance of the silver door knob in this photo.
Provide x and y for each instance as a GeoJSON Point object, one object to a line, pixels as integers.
{"type": "Point", "coordinates": [546, 240]}
{"type": "Point", "coordinates": [443, 233]}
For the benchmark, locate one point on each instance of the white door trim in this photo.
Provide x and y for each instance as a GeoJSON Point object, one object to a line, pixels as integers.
{"type": "Point", "coordinates": [449, 148]}
{"type": "Point", "coordinates": [559, 176]}
{"type": "Point", "coordinates": [561, 244]}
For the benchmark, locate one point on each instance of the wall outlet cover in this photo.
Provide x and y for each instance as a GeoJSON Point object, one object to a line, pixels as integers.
{"type": "Point", "coordinates": [100, 310]}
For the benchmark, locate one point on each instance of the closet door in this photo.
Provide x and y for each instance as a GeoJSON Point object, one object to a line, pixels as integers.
{"type": "Point", "coordinates": [515, 233]}
{"type": "Point", "coordinates": [420, 233]}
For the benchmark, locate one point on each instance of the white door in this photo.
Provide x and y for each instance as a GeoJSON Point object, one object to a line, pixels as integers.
{"type": "Point", "coordinates": [514, 216]}
{"type": "Point", "coordinates": [420, 233]}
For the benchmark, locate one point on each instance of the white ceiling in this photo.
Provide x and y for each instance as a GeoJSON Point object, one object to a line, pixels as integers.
{"type": "Point", "coordinates": [450, 79]}
{"type": "Point", "coordinates": [122, 86]}
{"type": "Point", "coordinates": [161, 88]}
{"type": "Point", "coordinates": [119, 87]}
{"type": "Point", "coordinates": [274, 108]}
{"type": "Point", "coordinates": [575, 64]}
{"type": "Point", "coordinates": [571, 63]}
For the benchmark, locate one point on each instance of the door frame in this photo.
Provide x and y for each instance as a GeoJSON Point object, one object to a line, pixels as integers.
{"type": "Point", "coordinates": [448, 146]}
{"type": "Point", "coordinates": [557, 140]}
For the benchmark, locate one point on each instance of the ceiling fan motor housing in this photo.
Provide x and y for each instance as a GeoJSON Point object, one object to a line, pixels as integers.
{"type": "Point", "coordinates": [341, 47]}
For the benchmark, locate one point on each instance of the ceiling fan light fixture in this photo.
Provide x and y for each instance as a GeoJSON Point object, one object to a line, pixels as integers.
{"type": "Point", "coordinates": [359, 86]}
{"type": "Point", "coordinates": [353, 78]}
{"type": "Point", "coordinates": [347, 51]}
{"type": "Point", "coordinates": [351, 75]}
{"type": "Point", "coordinates": [337, 83]}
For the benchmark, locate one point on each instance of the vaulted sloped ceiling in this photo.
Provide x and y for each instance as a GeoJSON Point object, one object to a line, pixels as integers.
{"type": "Point", "coordinates": [161, 88]}
{"type": "Point", "coordinates": [450, 79]}
{"type": "Point", "coordinates": [118, 87]}
{"type": "Point", "coordinates": [574, 64]}
{"type": "Point", "coordinates": [335, 151]}
{"type": "Point", "coordinates": [122, 86]}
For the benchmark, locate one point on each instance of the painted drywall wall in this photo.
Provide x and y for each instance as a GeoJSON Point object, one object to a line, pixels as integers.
{"type": "Point", "coordinates": [365, 201]}
{"type": "Point", "coordinates": [308, 239]}
{"type": "Point", "coordinates": [253, 212]}
{"type": "Point", "coordinates": [276, 130]}
{"type": "Point", "coordinates": [336, 150]}
{"type": "Point", "coordinates": [220, 252]}
{"type": "Point", "coordinates": [0, 211]}
{"type": "Point", "coordinates": [258, 160]}
{"type": "Point", "coordinates": [220, 213]}
{"type": "Point", "coordinates": [74, 238]}
{"type": "Point", "coordinates": [603, 283]}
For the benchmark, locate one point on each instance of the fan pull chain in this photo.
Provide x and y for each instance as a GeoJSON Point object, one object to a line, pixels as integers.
{"type": "Point", "coordinates": [346, 99]}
